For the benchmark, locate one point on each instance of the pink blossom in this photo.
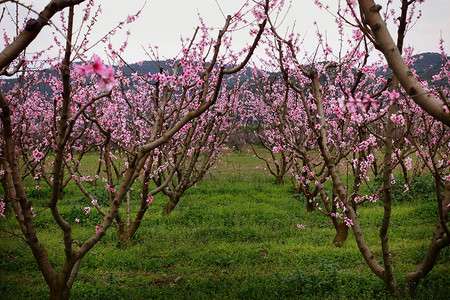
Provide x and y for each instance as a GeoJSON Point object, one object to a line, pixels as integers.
{"type": "Point", "coordinates": [398, 119]}
{"type": "Point", "coordinates": [406, 188]}
{"type": "Point", "coordinates": [96, 68]}
{"type": "Point", "coordinates": [37, 155]}
{"type": "Point", "coordinates": [107, 80]}
{"type": "Point", "coordinates": [341, 103]}
{"type": "Point", "coordinates": [80, 70]}
{"type": "Point", "coordinates": [87, 209]}
{"type": "Point", "coordinates": [130, 19]}
{"type": "Point", "coordinates": [408, 163]}
{"type": "Point", "coordinates": [393, 96]}
{"type": "Point", "coordinates": [348, 222]}
{"type": "Point", "coordinates": [2, 208]}
{"type": "Point", "coordinates": [106, 74]}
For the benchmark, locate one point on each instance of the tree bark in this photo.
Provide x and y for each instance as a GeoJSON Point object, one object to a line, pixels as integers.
{"type": "Point", "coordinates": [341, 234]}
{"type": "Point", "coordinates": [388, 276]}
{"type": "Point", "coordinates": [172, 203]}
{"type": "Point", "coordinates": [310, 206]}
{"type": "Point", "coordinates": [59, 290]}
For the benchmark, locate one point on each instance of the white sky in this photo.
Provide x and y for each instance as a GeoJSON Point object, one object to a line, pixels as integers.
{"type": "Point", "coordinates": [163, 22]}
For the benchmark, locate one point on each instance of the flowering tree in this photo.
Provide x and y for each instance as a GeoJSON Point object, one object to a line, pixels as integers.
{"type": "Point", "coordinates": [374, 27]}
{"type": "Point", "coordinates": [264, 117]}
{"type": "Point", "coordinates": [436, 104]}
{"type": "Point", "coordinates": [351, 117]}
{"type": "Point", "coordinates": [82, 111]}
{"type": "Point", "coordinates": [198, 145]}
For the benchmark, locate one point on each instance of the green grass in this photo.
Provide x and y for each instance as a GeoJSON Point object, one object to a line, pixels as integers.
{"type": "Point", "coordinates": [233, 236]}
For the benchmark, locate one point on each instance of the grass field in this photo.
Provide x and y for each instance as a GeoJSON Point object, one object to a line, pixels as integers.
{"type": "Point", "coordinates": [233, 236]}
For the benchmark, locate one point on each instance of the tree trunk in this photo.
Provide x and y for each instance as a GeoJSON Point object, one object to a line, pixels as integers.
{"type": "Point", "coordinates": [59, 290]}
{"type": "Point", "coordinates": [172, 203]}
{"type": "Point", "coordinates": [6, 182]}
{"type": "Point", "coordinates": [341, 233]}
{"type": "Point", "coordinates": [59, 293]}
{"type": "Point", "coordinates": [124, 239]}
{"type": "Point", "coordinates": [310, 205]}
{"type": "Point", "coordinates": [280, 179]}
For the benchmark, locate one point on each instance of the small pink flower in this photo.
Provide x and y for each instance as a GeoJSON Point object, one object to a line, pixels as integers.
{"type": "Point", "coordinates": [406, 188]}
{"type": "Point", "coordinates": [80, 70]}
{"type": "Point", "coordinates": [87, 209]}
{"type": "Point", "coordinates": [445, 108]}
{"type": "Point", "coordinates": [341, 103]}
{"type": "Point", "coordinates": [97, 67]}
{"type": "Point", "coordinates": [300, 226]}
{"type": "Point", "coordinates": [393, 96]}
{"type": "Point", "coordinates": [37, 155]}
{"type": "Point", "coordinates": [2, 208]}
{"type": "Point", "coordinates": [348, 222]}
{"type": "Point", "coordinates": [97, 228]}
{"type": "Point", "coordinates": [77, 220]}
{"type": "Point", "coordinates": [107, 80]}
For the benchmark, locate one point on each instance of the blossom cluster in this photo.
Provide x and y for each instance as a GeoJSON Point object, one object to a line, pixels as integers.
{"type": "Point", "coordinates": [107, 80]}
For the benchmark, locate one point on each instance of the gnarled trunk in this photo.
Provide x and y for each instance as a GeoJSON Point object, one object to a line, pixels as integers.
{"type": "Point", "coordinates": [341, 233]}
{"type": "Point", "coordinates": [174, 199]}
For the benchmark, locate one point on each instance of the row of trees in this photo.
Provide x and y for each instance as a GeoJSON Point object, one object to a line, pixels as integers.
{"type": "Point", "coordinates": [328, 117]}
{"type": "Point", "coordinates": [50, 121]}
{"type": "Point", "coordinates": [346, 120]}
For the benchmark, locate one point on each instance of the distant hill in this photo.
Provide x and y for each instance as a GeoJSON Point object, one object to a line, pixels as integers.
{"type": "Point", "coordinates": [428, 65]}
{"type": "Point", "coordinates": [147, 67]}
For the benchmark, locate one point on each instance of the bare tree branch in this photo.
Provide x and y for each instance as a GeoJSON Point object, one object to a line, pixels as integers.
{"type": "Point", "coordinates": [32, 29]}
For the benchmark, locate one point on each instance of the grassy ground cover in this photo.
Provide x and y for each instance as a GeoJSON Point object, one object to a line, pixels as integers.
{"type": "Point", "coordinates": [233, 236]}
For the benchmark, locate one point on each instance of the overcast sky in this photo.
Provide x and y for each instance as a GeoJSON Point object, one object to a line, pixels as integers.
{"type": "Point", "coordinates": [163, 22]}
